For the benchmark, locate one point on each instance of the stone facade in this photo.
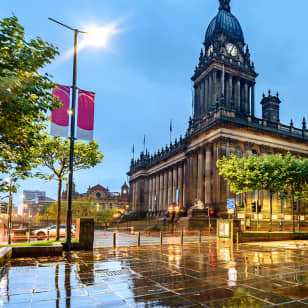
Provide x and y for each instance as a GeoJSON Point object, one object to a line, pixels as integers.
{"type": "Point", "coordinates": [104, 199]}
{"type": "Point", "coordinates": [223, 122]}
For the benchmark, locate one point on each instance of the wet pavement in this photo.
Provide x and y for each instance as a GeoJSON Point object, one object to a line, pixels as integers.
{"type": "Point", "coordinates": [105, 239]}
{"type": "Point", "coordinates": [193, 275]}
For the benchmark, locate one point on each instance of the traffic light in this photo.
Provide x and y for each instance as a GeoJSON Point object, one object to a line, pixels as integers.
{"type": "Point", "coordinates": [212, 212]}
{"type": "Point", "coordinates": [3, 208]}
{"type": "Point", "coordinates": [254, 206]}
{"type": "Point", "coordinates": [259, 208]}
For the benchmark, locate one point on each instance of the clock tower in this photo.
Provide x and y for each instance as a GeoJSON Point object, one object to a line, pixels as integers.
{"type": "Point", "coordinates": [225, 76]}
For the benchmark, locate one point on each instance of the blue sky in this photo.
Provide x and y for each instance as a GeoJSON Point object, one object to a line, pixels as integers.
{"type": "Point", "coordinates": [142, 79]}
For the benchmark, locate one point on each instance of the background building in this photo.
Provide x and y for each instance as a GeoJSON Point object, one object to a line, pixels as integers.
{"type": "Point", "coordinates": [33, 200]}
{"type": "Point", "coordinates": [103, 197]}
{"type": "Point", "coordinates": [223, 122]}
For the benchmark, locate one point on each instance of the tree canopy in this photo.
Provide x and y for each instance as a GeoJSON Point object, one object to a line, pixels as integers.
{"type": "Point", "coordinates": [54, 156]}
{"type": "Point", "coordinates": [25, 98]}
{"type": "Point", "coordinates": [286, 174]}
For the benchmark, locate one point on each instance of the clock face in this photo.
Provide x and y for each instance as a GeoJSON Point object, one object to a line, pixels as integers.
{"type": "Point", "coordinates": [232, 49]}
{"type": "Point", "coordinates": [210, 50]}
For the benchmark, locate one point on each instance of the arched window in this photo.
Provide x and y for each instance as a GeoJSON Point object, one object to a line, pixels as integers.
{"type": "Point", "coordinates": [98, 195]}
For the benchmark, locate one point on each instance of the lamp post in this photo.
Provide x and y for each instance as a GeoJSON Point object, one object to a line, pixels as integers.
{"type": "Point", "coordinates": [67, 245]}
{"type": "Point", "coordinates": [47, 226]}
{"type": "Point", "coordinates": [9, 212]}
{"type": "Point", "coordinates": [96, 37]}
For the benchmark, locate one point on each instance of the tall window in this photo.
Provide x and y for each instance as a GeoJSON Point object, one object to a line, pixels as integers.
{"type": "Point", "coordinates": [239, 200]}
{"type": "Point", "coordinates": [255, 195]}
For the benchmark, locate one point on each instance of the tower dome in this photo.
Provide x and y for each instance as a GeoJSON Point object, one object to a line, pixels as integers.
{"type": "Point", "coordinates": [224, 22]}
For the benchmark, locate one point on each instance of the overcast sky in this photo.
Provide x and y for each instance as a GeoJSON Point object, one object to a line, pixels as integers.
{"type": "Point", "coordinates": [142, 78]}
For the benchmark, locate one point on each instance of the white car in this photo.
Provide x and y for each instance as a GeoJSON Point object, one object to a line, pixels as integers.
{"type": "Point", "coordinates": [51, 231]}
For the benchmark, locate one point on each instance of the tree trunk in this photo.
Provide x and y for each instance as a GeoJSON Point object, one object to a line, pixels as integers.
{"type": "Point", "coordinates": [293, 222]}
{"type": "Point", "coordinates": [271, 212]}
{"type": "Point", "coordinates": [299, 216]}
{"type": "Point", "coordinates": [58, 211]}
{"type": "Point", "coordinates": [245, 204]}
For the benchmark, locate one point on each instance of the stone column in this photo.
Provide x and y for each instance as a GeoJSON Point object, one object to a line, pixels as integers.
{"type": "Point", "coordinates": [145, 204]}
{"type": "Point", "coordinates": [253, 100]}
{"type": "Point", "coordinates": [188, 179]}
{"type": "Point", "coordinates": [180, 184]}
{"type": "Point", "coordinates": [153, 191]}
{"type": "Point", "coordinates": [214, 87]}
{"type": "Point", "coordinates": [184, 183]}
{"type": "Point", "coordinates": [201, 99]}
{"type": "Point", "coordinates": [246, 98]}
{"type": "Point", "coordinates": [157, 191]}
{"type": "Point", "coordinates": [229, 87]}
{"type": "Point", "coordinates": [238, 95]}
{"type": "Point", "coordinates": [175, 183]}
{"type": "Point", "coordinates": [137, 195]}
{"type": "Point", "coordinates": [161, 188]}
{"type": "Point", "coordinates": [206, 95]}
{"type": "Point", "coordinates": [165, 189]}
{"type": "Point", "coordinates": [200, 174]}
{"type": "Point", "coordinates": [195, 176]}
{"type": "Point", "coordinates": [208, 167]}
{"type": "Point", "coordinates": [197, 101]}
{"type": "Point", "coordinates": [132, 189]}
{"type": "Point", "coordinates": [170, 186]}
{"type": "Point", "coordinates": [150, 193]}
{"type": "Point", "coordinates": [210, 97]}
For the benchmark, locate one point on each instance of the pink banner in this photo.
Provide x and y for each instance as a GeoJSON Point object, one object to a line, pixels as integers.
{"type": "Point", "coordinates": [85, 119]}
{"type": "Point", "coordinates": [60, 117]}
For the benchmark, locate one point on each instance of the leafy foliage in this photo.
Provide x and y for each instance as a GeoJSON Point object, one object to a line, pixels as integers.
{"type": "Point", "coordinates": [274, 173]}
{"type": "Point", "coordinates": [25, 97]}
{"type": "Point", "coordinates": [83, 207]}
{"type": "Point", "coordinates": [54, 156]}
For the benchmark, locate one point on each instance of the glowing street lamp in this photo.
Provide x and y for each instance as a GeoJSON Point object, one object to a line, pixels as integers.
{"type": "Point", "coordinates": [95, 37]}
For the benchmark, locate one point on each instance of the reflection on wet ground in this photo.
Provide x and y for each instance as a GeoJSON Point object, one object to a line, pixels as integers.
{"type": "Point", "coordinates": [193, 275]}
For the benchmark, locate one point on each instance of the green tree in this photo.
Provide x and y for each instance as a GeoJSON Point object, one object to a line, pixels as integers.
{"type": "Point", "coordinates": [25, 98]}
{"type": "Point", "coordinates": [296, 181]}
{"type": "Point", "coordinates": [242, 175]}
{"type": "Point", "coordinates": [272, 177]}
{"type": "Point", "coordinates": [55, 157]}
{"type": "Point", "coordinates": [106, 216]}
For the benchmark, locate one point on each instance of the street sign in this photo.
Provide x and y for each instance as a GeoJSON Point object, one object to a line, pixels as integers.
{"type": "Point", "coordinates": [230, 204]}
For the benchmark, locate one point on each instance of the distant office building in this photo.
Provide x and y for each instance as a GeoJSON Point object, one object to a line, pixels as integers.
{"type": "Point", "coordinates": [33, 195]}
{"type": "Point", "coordinates": [33, 200]}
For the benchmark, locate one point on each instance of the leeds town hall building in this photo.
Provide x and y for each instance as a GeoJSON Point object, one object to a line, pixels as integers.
{"type": "Point", "coordinates": [223, 122]}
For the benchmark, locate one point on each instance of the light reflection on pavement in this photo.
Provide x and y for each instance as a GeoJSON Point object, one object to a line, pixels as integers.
{"type": "Point", "coordinates": [192, 275]}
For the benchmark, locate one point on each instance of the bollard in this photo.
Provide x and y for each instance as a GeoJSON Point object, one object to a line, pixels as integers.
{"type": "Point", "coordinates": [182, 238]}
{"type": "Point", "coordinates": [200, 236]}
{"type": "Point", "coordinates": [161, 238]}
{"type": "Point", "coordinates": [114, 240]}
{"type": "Point", "coordinates": [139, 239]}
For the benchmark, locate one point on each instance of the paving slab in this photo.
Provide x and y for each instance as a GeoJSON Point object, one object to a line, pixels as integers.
{"type": "Point", "coordinates": [192, 275]}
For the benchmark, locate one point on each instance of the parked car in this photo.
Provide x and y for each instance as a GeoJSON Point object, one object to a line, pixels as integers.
{"type": "Point", "coordinates": [51, 231]}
